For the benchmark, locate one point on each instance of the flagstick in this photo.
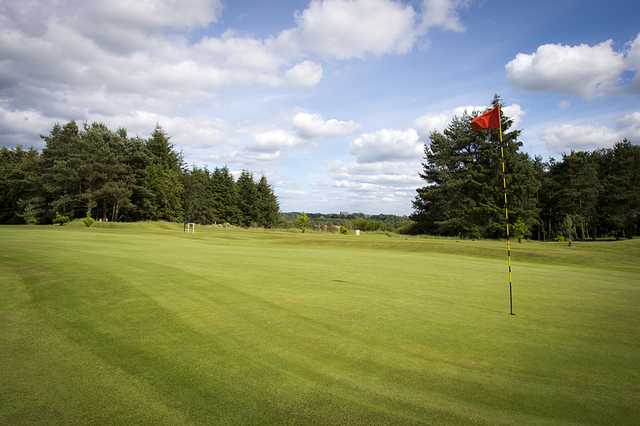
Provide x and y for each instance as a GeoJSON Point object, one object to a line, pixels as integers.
{"type": "Point", "coordinates": [506, 208]}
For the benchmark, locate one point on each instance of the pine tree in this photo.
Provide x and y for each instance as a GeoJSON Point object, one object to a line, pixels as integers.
{"type": "Point", "coordinates": [619, 200]}
{"type": "Point", "coordinates": [198, 196]}
{"type": "Point", "coordinates": [267, 204]}
{"type": "Point", "coordinates": [463, 195]}
{"type": "Point", "coordinates": [225, 197]}
{"type": "Point", "coordinates": [164, 178]}
{"type": "Point", "coordinates": [247, 199]}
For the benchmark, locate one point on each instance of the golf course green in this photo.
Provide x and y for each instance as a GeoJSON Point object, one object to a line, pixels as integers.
{"type": "Point", "coordinates": [143, 324]}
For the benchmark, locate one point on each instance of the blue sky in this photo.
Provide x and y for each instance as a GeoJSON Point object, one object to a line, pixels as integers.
{"type": "Point", "coordinates": [331, 99]}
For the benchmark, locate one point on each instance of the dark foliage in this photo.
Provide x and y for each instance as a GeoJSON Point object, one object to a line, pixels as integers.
{"type": "Point", "coordinates": [95, 172]}
{"type": "Point", "coordinates": [597, 192]}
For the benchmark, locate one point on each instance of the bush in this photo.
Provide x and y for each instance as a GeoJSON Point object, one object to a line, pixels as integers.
{"type": "Point", "coordinates": [28, 212]}
{"type": "Point", "coordinates": [60, 219]}
{"type": "Point", "coordinates": [520, 230]}
{"type": "Point", "coordinates": [559, 238]}
{"type": "Point", "coordinates": [303, 221]}
{"type": "Point", "coordinates": [343, 230]}
{"type": "Point", "coordinates": [88, 221]}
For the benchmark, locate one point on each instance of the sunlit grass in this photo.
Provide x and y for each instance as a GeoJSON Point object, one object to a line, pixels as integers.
{"type": "Point", "coordinates": [142, 323]}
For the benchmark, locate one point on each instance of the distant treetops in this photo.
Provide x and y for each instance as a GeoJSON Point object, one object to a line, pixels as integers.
{"type": "Point", "coordinates": [584, 195]}
{"type": "Point", "coordinates": [106, 174]}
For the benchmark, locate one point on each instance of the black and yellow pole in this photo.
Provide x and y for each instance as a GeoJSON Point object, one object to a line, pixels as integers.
{"type": "Point", "coordinates": [506, 208]}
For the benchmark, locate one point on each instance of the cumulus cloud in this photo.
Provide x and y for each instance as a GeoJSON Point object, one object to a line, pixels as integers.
{"type": "Point", "coordinates": [438, 121]}
{"type": "Point", "coordinates": [443, 14]}
{"type": "Point", "coordinates": [629, 126]}
{"type": "Point", "coordinates": [385, 168]}
{"type": "Point", "coordinates": [514, 112]}
{"type": "Point", "coordinates": [387, 173]}
{"type": "Point", "coordinates": [67, 70]}
{"type": "Point", "coordinates": [192, 132]}
{"type": "Point", "coordinates": [315, 126]}
{"type": "Point", "coordinates": [22, 127]}
{"type": "Point", "coordinates": [391, 183]}
{"type": "Point", "coordinates": [135, 64]}
{"type": "Point", "coordinates": [304, 74]}
{"type": "Point", "coordinates": [74, 59]}
{"type": "Point", "coordinates": [272, 141]}
{"type": "Point", "coordinates": [633, 60]}
{"type": "Point", "coordinates": [568, 137]}
{"type": "Point", "coordinates": [582, 70]}
{"type": "Point", "coordinates": [352, 29]}
{"type": "Point", "coordinates": [387, 145]}
{"type": "Point", "coordinates": [582, 137]}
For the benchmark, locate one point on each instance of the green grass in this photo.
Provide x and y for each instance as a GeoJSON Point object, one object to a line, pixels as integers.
{"type": "Point", "coordinates": [141, 323]}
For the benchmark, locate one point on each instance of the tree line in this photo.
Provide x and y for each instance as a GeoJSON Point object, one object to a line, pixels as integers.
{"type": "Point", "coordinates": [96, 172]}
{"type": "Point", "coordinates": [583, 195]}
{"type": "Point", "coordinates": [352, 221]}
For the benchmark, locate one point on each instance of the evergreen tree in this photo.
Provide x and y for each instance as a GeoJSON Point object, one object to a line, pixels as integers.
{"type": "Point", "coordinates": [267, 204]}
{"type": "Point", "coordinates": [198, 197]}
{"type": "Point", "coordinates": [578, 190]}
{"type": "Point", "coordinates": [61, 161]}
{"type": "Point", "coordinates": [225, 197]}
{"type": "Point", "coordinates": [619, 200]}
{"type": "Point", "coordinates": [463, 195]}
{"type": "Point", "coordinates": [164, 178]}
{"type": "Point", "coordinates": [247, 199]}
{"type": "Point", "coordinates": [19, 182]}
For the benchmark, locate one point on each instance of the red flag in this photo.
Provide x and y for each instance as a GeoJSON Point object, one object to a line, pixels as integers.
{"type": "Point", "coordinates": [487, 120]}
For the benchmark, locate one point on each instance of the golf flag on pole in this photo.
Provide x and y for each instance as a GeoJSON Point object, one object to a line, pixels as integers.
{"type": "Point", "coordinates": [491, 120]}
{"type": "Point", "coordinates": [487, 120]}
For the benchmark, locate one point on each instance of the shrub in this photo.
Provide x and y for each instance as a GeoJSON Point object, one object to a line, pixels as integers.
{"type": "Point", "coordinates": [88, 221]}
{"type": "Point", "coordinates": [343, 230]}
{"type": "Point", "coordinates": [60, 219]}
{"type": "Point", "coordinates": [520, 230]}
{"type": "Point", "coordinates": [303, 221]}
{"type": "Point", "coordinates": [28, 212]}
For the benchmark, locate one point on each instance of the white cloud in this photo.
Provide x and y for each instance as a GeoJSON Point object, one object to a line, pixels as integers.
{"type": "Point", "coordinates": [515, 113]}
{"type": "Point", "coordinates": [629, 126]}
{"type": "Point", "coordinates": [443, 14]}
{"type": "Point", "coordinates": [185, 132]}
{"type": "Point", "coordinates": [582, 70]}
{"type": "Point", "coordinates": [314, 126]}
{"type": "Point", "coordinates": [387, 145]}
{"type": "Point", "coordinates": [568, 137]}
{"type": "Point", "coordinates": [564, 104]}
{"type": "Point", "coordinates": [85, 58]}
{"type": "Point", "coordinates": [150, 14]}
{"type": "Point", "coordinates": [385, 169]}
{"type": "Point", "coordinates": [580, 137]}
{"type": "Point", "coordinates": [633, 60]}
{"type": "Point", "coordinates": [272, 141]}
{"type": "Point", "coordinates": [74, 59]}
{"type": "Point", "coordinates": [435, 122]}
{"type": "Point", "coordinates": [385, 185]}
{"type": "Point", "coordinates": [23, 127]}
{"type": "Point", "coordinates": [234, 50]}
{"type": "Point", "coordinates": [394, 174]}
{"type": "Point", "coordinates": [353, 29]}
{"type": "Point", "coordinates": [438, 121]}
{"type": "Point", "coordinates": [304, 74]}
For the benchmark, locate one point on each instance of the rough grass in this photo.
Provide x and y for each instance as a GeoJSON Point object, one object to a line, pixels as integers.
{"type": "Point", "coordinates": [141, 323]}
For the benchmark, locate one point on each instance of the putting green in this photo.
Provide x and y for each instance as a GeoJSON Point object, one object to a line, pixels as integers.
{"type": "Point", "coordinates": [141, 323]}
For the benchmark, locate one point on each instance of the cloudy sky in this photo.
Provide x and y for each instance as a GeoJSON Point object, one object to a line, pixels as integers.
{"type": "Point", "coordinates": [331, 99]}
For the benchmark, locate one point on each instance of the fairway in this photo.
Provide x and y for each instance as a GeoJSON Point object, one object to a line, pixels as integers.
{"type": "Point", "coordinates": [143, 324]}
